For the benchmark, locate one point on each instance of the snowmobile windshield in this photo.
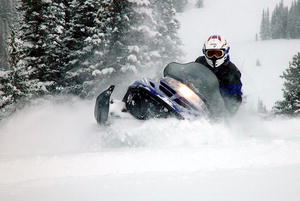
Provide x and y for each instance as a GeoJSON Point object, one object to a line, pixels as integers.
{"type": "Point", "coordinates": [202, 80]}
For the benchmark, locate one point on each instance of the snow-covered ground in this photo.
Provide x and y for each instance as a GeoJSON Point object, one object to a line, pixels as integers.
{"type": "Point", "coordinates": [55, 151]}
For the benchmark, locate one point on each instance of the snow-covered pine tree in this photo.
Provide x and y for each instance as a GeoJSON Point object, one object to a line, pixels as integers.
{"type": "Point", "coordinates": [261, 107]}
{"type": "Point", "coordinates": [297, 106]}
{"type": "Point", "coordinates": [133, 41]}
{"type": "Point", "coordinates": [297, 16]}
{"type": "Point", "coordinates": [142, 37]}
{"type": "Point", "coordinates": [3, 53]}
{"type": "Point", "coordinates": [14, 82]}
{"type": "Point", "coordinates": [284, 14]}
{"type": "Point", "coordinates": [168, 41]}
{"type": "Point", "coordinates": [258, 63]}
{"type": "Point", "coordinates": [265, 26]}
{"type": "Point", "coordinates": [291, 91]}
{"type": "Point", "coordinates": [142, 49]}
{"type": "Point", "coordinates": [279, 21]}
{"type": "Point", "coordinates": [262, 26]}
{"type": "Point", "coordinates": [291, 32]}
{"type": "Point", "coordinates": [35, 29]}
{"type": "Point", "coordinates": [98, 36]}
{"type": "Point", "coordinates": [268, 25]}
{"type": "Point", "coordinates": [199, 4]}
{"type": "Point", "coordinates": [6, 15]}
{"type": "Point", "coordinates": [84, 35]}
{"type": "Point", "coordinates": [67, 44]}
{"type": "Point", "coordinates": [179, 5]}
{"type": "Point", "coordinates": [293, 26]}
{"type": "Point", "coordinates": [6, 98]}
{"type": "Point", "coordinates": [55, 50]}
{"type": "Point", "coordinates": [133, 31]}
{"type": "Point", "coordinates": [122, 35]}
{"type": "Point", "coordinates": [99, 42]}
{"type": "Point", "coordinates": [109, 36]}
{"type": "Point", "coordinates": [275, 21]}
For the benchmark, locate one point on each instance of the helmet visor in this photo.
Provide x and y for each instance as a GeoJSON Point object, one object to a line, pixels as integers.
{"type": "Point", "coordinates": [214, 53]}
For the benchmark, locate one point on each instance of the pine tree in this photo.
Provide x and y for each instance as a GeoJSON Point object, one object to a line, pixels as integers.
{"type": "Point", "coordinates": [261, 107]}
{"type": "Point", "coordinates": [99, 39]}
{"type": "Point", "coordinates": [67, 46]}
{"type": "Point", "coordinates": [291, 91]}
{"type": "Point", "coordinates": [268, 25]}
{"type": "Point", "coordinates": [258, 63]}
{"type": "Point", "coordinates": [284, 13]}
{"type": "Point", "coordinates": [297, 21]}
{"type": "Point", "coordinates": [279, 21]}
{"type": "Point", "coordinates": [55, 49]}
{"type": "Point", "coordinates": [143, 37]}
{"type": "Point", "coordinates": [14, 82]}
{"type": "Point", "coordinates": [85, 34]}
{"type": "Point", "coordinates": [169, 42]}
{"type": "Point", "coordinates": [35, 29]}
{"type": "Point", "coordinates": [199, 4]}
{"type": "Point", "coordinates": [6, 98]}
{"type": "Point", "coordinates": [121, 35]}
{"type": "Point", "coordinates": [179, 5]}
{"type": "Point", "coordinates": [256, 37]}
{"type": "Point", "coordinates": [293, 26]}
{"type": "Point", "coordinates": [142, 48]}
{"type": "Point", "coordinates": [39, 30]}
{"type": "Point", "coordinates": [134, 40]}
{"type": "Point", "coordinates": [292, 21]}
{"type": "Point", "coordinates": [6, 18]}
{"type": "Point", "coordinates": [117, 40]}
{"type": "Point", "coordinates": [263, 26]}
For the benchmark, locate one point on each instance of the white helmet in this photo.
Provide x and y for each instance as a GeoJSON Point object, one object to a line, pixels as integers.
{"type": "Point", "coordinates": [216, 51]}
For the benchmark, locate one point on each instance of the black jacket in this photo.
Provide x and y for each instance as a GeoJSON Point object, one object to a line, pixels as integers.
{"type": "Point", "coordinates": [230, 83]}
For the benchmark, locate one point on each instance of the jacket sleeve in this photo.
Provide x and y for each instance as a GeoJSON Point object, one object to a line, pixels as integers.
{"type": "Point", "coordinates": [231, 85]}
{"type": "Point", "coordinates": [231, 90]}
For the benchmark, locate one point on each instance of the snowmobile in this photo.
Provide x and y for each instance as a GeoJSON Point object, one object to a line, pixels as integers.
{"type": "Point", "coordinates": [186, 91]}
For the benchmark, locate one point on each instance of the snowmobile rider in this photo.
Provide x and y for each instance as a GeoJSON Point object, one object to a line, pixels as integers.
{"type": "Point", "coordinates": [216, 58]}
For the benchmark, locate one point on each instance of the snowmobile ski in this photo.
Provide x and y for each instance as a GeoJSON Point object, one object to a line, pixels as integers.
{"type": "Point", "coordinates": [102, 106]}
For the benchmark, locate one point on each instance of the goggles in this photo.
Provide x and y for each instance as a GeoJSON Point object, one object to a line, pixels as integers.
{"type": "Point", "coordinates": [214, 53]}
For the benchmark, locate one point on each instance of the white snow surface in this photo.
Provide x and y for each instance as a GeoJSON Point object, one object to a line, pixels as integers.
{"type": "Point", "coordinates": [53, 150]}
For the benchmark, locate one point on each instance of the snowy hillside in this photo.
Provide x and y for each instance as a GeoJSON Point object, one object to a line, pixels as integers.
{"type": "Point", "coordinates": [55, 151]}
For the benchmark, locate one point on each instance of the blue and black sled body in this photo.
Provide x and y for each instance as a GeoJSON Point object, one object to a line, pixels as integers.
{"type": "Point", "coordinates": [186, 91]}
